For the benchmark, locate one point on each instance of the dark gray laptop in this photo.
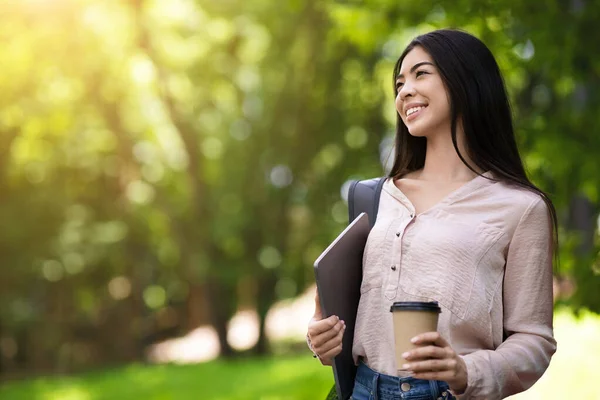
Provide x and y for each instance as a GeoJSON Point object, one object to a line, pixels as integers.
{"type": "Point", "coordinates": [338, 272]}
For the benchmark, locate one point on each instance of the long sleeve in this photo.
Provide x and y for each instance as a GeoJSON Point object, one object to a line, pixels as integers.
{"type": "Point", "coordinates": [525, 354]}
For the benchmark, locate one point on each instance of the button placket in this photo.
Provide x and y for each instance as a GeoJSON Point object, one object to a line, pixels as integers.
{"type": "Point", "coordinates": [394, 272]}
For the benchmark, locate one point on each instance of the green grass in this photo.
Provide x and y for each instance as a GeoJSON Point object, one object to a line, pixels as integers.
{"type": "Point", "coordinates": [291, 377]}
{"type": "Point", "coordinates": [572, 374]}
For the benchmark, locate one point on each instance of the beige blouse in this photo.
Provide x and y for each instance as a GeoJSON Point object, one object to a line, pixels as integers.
{"type": "Point", "coordinates": [485, 254]}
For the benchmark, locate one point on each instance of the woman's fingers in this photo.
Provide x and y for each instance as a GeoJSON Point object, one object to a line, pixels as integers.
{"type": "Point", "coordinates": [328, 339]}
{"type": "Point", "coordinates": [435, 376]}
{"type": "Point", "coordinates": [317, 327]}
{"type": "Point", "coordinates": [333, 347]}
{"type": "Point", "coordinates": [433, 338]}
{"type": "Point", "coordinates": [331, 334]}
{"type": "Point", "coordinates": [328, 356]}
{"type": "Point", "coordinates": [431, 365]}
{"type": "Point", "coordinates": [426, 352]}
{"type": "Point", "coordinates": [435, 359]}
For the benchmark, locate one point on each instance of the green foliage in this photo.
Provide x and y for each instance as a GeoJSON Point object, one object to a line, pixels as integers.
{"type": "Point", "coordinates": [163, 164]}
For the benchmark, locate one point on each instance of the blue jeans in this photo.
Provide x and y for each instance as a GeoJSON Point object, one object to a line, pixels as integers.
{"type": "Point", "coordinates": [371, 385]}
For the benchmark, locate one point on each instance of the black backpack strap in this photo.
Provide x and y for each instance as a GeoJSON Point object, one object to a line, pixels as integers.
{"type": "Point", "coordinates": [363, 196]}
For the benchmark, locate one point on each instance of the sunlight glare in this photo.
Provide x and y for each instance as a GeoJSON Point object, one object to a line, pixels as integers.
{"type": "Point", "coordinates": [243, 330]}
{"type": "Point", "coordinates": [201, 344]}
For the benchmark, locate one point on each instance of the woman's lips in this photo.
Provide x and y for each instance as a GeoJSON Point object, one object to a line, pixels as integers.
{"type": "Point", "coordinates": [415, 114]}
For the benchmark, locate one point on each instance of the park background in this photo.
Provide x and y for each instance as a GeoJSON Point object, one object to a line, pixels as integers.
{"type": "Point", "coordinates": [170, 169]}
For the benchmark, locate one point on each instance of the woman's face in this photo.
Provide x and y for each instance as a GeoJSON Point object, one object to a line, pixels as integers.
{"type": "Point", "coordinates": [422, 100]}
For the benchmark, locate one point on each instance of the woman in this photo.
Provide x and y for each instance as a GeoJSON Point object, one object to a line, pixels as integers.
{"type": "Point", "coordinates": [459, 223]}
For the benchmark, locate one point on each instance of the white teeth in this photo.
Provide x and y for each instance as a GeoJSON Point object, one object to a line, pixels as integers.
{"type": "Point", "coordinates": [413, 110]}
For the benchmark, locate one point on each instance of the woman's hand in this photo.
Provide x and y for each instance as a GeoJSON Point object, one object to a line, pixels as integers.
{"type": "Point", "coordinates": [436, 360]}
{"type": "Point", "coordinates": [325, 335]}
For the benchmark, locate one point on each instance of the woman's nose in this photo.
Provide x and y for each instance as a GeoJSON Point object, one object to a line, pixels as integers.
{"type": "Point", "coordinates": [407, 89]}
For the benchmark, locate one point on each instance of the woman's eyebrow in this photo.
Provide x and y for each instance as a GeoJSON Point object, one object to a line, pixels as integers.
{"type": "Point", "coordinates": [417, 65]}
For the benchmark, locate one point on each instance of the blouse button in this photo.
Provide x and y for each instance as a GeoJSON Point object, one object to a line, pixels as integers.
{"type": "Point", "coordinates": [393, 267]}
{"type": "Point", "coordinates": [397, 234]}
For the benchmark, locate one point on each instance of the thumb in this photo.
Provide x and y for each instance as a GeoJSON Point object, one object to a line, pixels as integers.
{"type": "Point", "coordinates": [318, 314]}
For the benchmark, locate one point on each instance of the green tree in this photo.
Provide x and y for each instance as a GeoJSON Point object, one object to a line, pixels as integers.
{"type": "Point", "coordinates": [163, 164]}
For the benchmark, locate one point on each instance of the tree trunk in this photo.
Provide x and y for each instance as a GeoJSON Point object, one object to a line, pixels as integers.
{"type": "Point", "coordinates": [221, 303]}
{"type": "Point", "coordinates": [265, 299]}
{"type": "Point", "coordinates": [581, 220]}
{"type": "Point", "coordinates": [196, 306]}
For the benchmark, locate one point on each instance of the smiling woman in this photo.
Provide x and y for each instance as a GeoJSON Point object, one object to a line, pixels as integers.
{"type": "Point", "coordinates": [459, 224]}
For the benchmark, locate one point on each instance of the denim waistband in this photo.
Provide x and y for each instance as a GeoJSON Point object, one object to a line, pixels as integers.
{"type": "Point", "coordinates": [385, 386]}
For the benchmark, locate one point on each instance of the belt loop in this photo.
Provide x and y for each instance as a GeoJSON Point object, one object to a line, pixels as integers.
{"type": "Point", "coordinates": [374, 385]}
{"type": "Point", "coordinates": [435, 389]}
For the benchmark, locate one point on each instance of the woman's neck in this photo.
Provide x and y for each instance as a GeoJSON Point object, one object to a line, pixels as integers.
{"type": "Point", "coordinates": [442, 163]}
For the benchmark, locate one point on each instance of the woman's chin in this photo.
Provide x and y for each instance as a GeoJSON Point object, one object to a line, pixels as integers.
{"type": "Point", "coordinates": [416, 133]}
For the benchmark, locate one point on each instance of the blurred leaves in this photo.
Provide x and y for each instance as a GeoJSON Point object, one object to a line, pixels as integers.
{"type": "Point", "coordinates": [192, 155]}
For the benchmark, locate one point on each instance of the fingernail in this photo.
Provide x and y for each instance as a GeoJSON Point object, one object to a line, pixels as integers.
{"type": "Point", "coordinates": [343, 323]}
{"type": "Point", "coordinates": [406, 366]}
{"type": "Point", "coordinates": [414, 340]}
{"type": "Point", "coordinates": [405, 355]}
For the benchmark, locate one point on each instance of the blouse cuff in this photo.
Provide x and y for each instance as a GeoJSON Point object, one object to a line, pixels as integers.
{"type": "Point", "coordinates": [472, 380]}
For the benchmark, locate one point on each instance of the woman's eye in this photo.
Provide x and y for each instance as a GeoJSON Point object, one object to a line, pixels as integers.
{"type": "Point", "coordinates": [399, 85]}
{"type": "Point", "coordinates": [419, 73]}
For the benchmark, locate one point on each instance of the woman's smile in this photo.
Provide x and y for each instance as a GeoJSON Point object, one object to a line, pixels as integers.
{"type": "Point", "coordinates": [413, 111]}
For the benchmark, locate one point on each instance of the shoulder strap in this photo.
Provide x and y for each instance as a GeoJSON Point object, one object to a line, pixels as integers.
{"type": "Point", "coordinates": [363, 196]}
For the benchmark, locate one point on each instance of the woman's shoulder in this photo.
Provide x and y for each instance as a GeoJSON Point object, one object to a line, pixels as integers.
{"type": "Point", "coordinates": [520, 199]}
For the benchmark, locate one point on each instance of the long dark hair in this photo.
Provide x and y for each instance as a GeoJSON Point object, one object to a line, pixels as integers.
{"type": "Point", "coordinates": [477, 96]}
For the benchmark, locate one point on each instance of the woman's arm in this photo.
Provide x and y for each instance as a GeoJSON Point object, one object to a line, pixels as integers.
{"type": "Point", "coordinates": [528, 310]}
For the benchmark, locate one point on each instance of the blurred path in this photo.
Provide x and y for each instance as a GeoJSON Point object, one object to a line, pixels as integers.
{"type": "Point", "coordinates": [287, 320]}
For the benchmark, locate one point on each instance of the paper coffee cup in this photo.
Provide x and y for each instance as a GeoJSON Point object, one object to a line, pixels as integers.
{"type": "Point", "coordinates": [412, 318]}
